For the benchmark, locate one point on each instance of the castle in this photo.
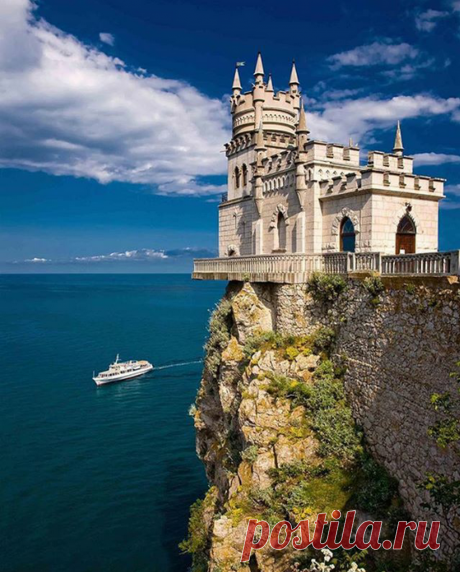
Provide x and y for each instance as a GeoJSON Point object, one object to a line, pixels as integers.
{"type": "Point", "coordinates": [296, 205]}
{"type": "Point", "coordinates": [289, 193]}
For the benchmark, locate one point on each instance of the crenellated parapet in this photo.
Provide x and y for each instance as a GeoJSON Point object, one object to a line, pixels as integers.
{"type": "Point", "coordinates": [383, 182]}
{"type": "Point", "coordinates": [390, 162]}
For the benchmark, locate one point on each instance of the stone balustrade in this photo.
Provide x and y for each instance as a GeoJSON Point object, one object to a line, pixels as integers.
{"type": "Point", "coordinates": [297, 268]}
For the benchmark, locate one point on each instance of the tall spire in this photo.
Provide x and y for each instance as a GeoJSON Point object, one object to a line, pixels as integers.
{"type": "Point", "coordinates": [236, 82]}
{"type": "Point", "coordinates": [398, 148]}
{"type": "Point", "coordinates": [259, 71]}
{"type": "Point", "coordinates": [269, 83]}
{"type": "Point", "coordinates": [302, 125]}
{"type": "Point", "coordinates": [294, 80]}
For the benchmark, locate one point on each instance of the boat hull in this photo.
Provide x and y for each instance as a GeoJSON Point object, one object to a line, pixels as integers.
{"type": "Point", "coordinates": [123, 376]}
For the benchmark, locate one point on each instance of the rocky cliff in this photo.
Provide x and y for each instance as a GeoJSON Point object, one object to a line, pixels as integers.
{"type": "Point", "coordinates": [333, 395]}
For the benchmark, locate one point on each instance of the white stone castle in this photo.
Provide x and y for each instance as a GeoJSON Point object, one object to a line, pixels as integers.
{"type": "Point", "coordinates": [292, 195]}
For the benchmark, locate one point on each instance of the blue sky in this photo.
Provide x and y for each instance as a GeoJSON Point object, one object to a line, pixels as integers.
{"type": "Point", "coordinates": [113, 115]}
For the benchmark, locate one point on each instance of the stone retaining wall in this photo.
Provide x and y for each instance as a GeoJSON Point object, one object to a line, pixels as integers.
{"type": "Point", "coordinates": [400, 348]}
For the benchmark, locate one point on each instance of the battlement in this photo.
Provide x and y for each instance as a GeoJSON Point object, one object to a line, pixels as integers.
{"type": "Point", "coordinates": [320, 151]}
{"type": "Point", "coordinates": [390, 161]}
{"type": "Point", "coordinates": [382, 181]}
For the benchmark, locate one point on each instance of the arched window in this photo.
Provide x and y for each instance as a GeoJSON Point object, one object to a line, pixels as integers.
{"type": "Point", "coordinates": [405, 236]}
{"type": "Point", "coordinates": [281, 232]}
{"type": "Point", "coordinates": [347, 236]}
{"type": "Point", "coordinates": [244, 171]}
{"type": "Point", "coordinates": [237, 178]}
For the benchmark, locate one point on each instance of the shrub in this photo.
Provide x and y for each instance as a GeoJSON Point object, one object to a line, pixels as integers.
{"type": "Point", "coordinates": [281, 386]}
{"type": "Point", "coordinates": [196, 543]}
{"type": "Point", "coordinates": [219, 335]}
{"type": "Point", "coordinates": [250, 454]}
{"type": "Point", "coordinates": [326, 287]}
{"type": "Point", "coordinates": [374, 285]}
{"type": "Point", "coordinates": [445, 431]}
{"type": "Point", "coordinates": [322, 340]}
{"type": "Point", "coordinates": [288, 471]}
{"type": "Point", "coordinates": [376, 488]}
{"type": "Point", "coordinates": [291, 353]}
{"type": "Point", "coordinates": [263, 341]}
{"type": "Point", "coordinates": [331, 416]}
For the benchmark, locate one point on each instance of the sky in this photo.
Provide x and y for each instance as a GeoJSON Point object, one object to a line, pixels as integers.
{"type": "Point", "coordinates": [113, 115]}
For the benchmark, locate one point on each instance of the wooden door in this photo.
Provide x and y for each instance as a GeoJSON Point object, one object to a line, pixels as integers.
{"type": "Point", "coordinates": [405, 243]}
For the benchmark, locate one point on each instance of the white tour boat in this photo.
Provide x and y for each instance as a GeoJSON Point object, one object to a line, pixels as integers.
{"type": "Point", "coordinates": [121, 370]}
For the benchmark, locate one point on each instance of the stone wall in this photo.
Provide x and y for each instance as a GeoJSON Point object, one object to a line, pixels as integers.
{"type": "Point", "coordinates": [400, 348]}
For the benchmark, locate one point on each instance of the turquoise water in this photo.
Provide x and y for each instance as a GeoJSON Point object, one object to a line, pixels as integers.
{"type": "Point", "coordinates": [98, 479]}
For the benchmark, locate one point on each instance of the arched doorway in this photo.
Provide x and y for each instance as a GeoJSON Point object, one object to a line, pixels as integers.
{"type": "Point", "coordinates": [347, 236]}
{"type": "Point", "coordinates": [405, 236]}
{"type": "Point", "coordinates": [280, 241]}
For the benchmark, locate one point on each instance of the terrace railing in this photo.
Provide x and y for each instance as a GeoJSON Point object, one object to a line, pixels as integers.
{"type": "Point", "coordinates": [297, 268]}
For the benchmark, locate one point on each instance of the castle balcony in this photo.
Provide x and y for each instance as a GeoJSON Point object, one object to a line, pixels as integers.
{"type": "Point", "coordinates": [297, 268]}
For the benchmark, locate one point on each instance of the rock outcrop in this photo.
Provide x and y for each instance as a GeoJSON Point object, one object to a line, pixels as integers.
{"type": "Point", "coordinates": [267, 424]}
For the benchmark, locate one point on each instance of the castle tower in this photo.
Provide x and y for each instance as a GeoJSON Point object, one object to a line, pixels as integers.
{"type": "Point", "coordinates": [277, 111]}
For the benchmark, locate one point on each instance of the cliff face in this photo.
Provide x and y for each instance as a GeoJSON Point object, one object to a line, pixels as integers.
{"type": "Point", "coordinates": [304, 389]}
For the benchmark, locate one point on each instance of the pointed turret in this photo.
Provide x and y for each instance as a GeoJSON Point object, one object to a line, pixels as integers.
{"type": "Point", "coordinates": [294, 86]}
{"type": "Point", "coordinates": [302, 125]}
{"type": "Point", "coordinates": [236, 87]}
{"type": "Point", "coordinates": [270, 83]}
{"type": "Point", "coordinates": [398, 148]}
{"type": "Point", "coordinates": [259, 71]}
{"type": "Point", "coordinates": [294, 80]}
{"type": "Point", "coordinates": [258, 92]}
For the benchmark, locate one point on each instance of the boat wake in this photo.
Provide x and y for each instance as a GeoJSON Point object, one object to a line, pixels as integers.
{"type": "Point", "coordinates": [181, 364]}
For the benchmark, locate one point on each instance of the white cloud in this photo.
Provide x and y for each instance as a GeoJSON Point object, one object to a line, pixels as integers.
{"type": "Point", "coordinates": [143, 254]}
{"type": "Point", "coordinates": [339, 120]}
{"type": "Point", "coordinates": [452, 190]}
{"type": "Point", "coordinates": [68, 109]}
{"type": "Point", "coordinates": [456, 6]}
{"type": "Point", "coordinates": [139, 255]}
{"type": "Point", "coordinates": [107, 38]}
{"type": "Point", "coordinates": [381, 52]}
{"type": "Point", "coordinates": [435, 158]}
{"type": "Point", "coordinates": [452, 201]}
{"type": "Point", "coordinates": [428, 20]}
{"type": "Point", "coordinates": [410, 70]}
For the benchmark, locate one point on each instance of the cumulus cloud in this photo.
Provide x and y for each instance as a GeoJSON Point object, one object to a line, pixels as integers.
{"type": "Point", "coordinates": [69, 109]}
{"type": "Point", "coordinates": [435, 158]}
{"type": "Point", "coordinates": [357, 118]}
{"type": "Point", "coordinates": [428, 20]}
{"type": "Point", "coordinates": [452, 190]}
{"type": "Point", "coordinates": [381, 52]}
{"type": "Point", "coordinates": [107, 38]}
{"type": "Point", "coordinates": [139, 255]}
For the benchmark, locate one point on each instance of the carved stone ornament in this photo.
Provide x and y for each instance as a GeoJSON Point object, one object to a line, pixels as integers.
{"type": "Point", "coordinates": [274, 220]}
{"type": "Point", "coordinates": [345, 213]}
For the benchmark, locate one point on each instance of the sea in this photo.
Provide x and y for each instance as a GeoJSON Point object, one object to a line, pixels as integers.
{"type": "Point", "coordinates": [99, 479]}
